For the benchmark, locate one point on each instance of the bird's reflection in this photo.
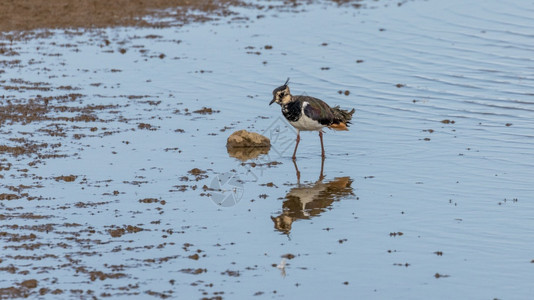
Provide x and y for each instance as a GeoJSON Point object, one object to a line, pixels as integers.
{"type": "Point", "coordinates": [309, 200]}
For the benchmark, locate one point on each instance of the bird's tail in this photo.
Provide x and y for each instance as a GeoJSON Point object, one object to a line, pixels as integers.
{"type": "Point", "coordinates": [341, 118]}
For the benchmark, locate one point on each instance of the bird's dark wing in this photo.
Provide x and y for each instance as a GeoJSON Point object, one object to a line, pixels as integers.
{"type": "Point", "coordinates": [318, 110]}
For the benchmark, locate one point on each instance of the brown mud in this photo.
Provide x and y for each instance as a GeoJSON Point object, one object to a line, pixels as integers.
{"type": "Point", "coordinates": [25, 15]}
{"type": "Point", "coordinates": [39, 14]}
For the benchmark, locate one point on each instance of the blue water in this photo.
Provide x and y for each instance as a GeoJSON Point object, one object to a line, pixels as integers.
{"type": "Point", "coordinates": [465, 193]}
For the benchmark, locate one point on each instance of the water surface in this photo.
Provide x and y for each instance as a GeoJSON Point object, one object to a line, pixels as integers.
{"type": "Point", "coordinates": [429, 195]}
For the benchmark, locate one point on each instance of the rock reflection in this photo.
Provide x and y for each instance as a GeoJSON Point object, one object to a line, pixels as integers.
{"type": "Point", "coordinates": [247, 153]}
{"type": "Point", "coordinates": [310, 200]}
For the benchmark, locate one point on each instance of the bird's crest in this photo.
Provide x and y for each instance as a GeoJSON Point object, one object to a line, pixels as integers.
{"type": "Point", "coordinates": [287, 81]}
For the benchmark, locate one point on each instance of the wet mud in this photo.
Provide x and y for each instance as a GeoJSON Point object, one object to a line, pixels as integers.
{"type": "Point", "coordinates": [38, 14]}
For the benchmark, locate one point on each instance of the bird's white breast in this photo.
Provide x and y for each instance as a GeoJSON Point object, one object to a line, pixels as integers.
{"type": "Point", "coordinates": [305, 123]}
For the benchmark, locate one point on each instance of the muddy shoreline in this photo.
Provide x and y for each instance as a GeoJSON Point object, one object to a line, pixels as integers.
{"type": "Point", "coordinates": [18, 16]}
{"type": "Point", "coordinates": [43, 14]}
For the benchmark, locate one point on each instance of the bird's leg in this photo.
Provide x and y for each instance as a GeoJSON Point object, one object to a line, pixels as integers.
{"type": "Point", "coordinates": [296, 145]}
{"type": "Point", "coordinates": [322, 147]}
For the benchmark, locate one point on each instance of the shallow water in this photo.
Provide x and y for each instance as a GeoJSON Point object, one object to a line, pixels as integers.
{"type": "Point", "coordinates": [429, 195]}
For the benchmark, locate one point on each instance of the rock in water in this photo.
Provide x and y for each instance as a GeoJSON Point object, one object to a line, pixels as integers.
{"type": "Point", "coordinates": [245, 145]}
{"type": "Point", "coordinates": [243, 138]}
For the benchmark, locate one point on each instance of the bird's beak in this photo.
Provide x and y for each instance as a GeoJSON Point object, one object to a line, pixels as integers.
{"type": "Point", "coordinates": [272, 101]}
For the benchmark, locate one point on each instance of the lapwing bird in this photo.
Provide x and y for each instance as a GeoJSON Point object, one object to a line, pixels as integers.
{"type": "Point", "coordinates": [310, 114]}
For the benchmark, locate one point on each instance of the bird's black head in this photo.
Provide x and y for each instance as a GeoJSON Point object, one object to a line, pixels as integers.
{"type": "Point", "coordinates": [281, 94]}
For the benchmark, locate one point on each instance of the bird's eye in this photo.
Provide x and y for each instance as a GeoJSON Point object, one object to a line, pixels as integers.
{"type": "Point", "coordinates": [282, 94]}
